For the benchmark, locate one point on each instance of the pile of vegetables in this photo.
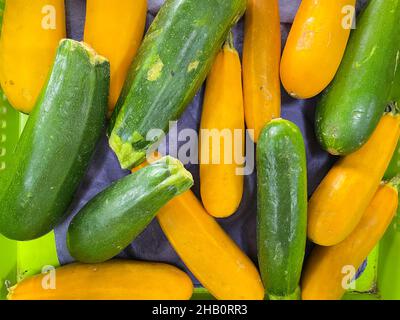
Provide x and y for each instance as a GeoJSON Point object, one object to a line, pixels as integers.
{"type": "Point", "coordinates": [70, 88]}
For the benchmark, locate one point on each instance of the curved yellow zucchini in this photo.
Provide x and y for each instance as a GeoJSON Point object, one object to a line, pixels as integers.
{"type": "Point", "coordinates": [339, 202]}
{"type": "Point", "coordinates": [209, 253]}
{"type": "Point", "coordinates": [324, 277]}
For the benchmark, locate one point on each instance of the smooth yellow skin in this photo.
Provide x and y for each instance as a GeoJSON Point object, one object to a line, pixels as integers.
{"type": "Point", "coordinates": [115, 30]}
{"type": "Point", "coordinates": [261, 59]}
{"type": "Point", "coordinates": [315, 46]}
{"type": "Point", "coordinates": [30, 36]}
{"type": "Point", "coordinates": [341, 199]}
{"type": "Point", "coordinates": [324, 274]}
{"type": "Point", "coordinates": [221, 185]}
{"type": "Point", "coordinates": [113, 280]}
{"type": "Point", "coordinates": [209, 253]}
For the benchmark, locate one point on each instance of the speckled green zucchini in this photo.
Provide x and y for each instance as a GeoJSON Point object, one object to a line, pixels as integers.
{"type": "Point", "coordinates": [116, 216]}
{"type": "Point", "coordinates": [172, 63]}
{"type": "Point", "coordinates": [56, 145]}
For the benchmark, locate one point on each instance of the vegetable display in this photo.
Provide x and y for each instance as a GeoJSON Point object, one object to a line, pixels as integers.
{"type": "Point", "coordinates": [31, 33]}
{"type": "Point", "coordinates": [221, 183]}
{"type": "Point", "coordinates": [352, 106]}
{"type": "Point", "coordinates": [324, 275]}
{"type": "Point", "coordinates": [261, 58]}
{"type": "Point", "coordinates": [172, 63]}
{"type": "Point", "coordinates": [105, 21]}
{"type": "Point", "coordinates": [341, 199]}
{"type": "Point", "coordinates": [241, 233]}
{"type": "Point", "coordinates": [117, 215]}
{"type": "Point", "coordinates": [56, 145]}
{"type": "Point", "coordinates": [113, 280]}
{"type": "Point", "coordinates": [315, 46]}
{"type": "Point", "coordinates": [282, 208]}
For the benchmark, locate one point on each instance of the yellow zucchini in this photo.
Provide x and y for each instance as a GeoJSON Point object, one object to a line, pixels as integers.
{"type": "Point", "coordinates": [220, 182]}
{"type": "Point", "coordinates": [341, 199]}
{"type": "Point", "coordinates": [315, 46]}
{"type": "Point", "coordinates": [31, 33]}
{"type": "Point", "coordinates": [113, 280]}
{"type": "Point", "coordinates": [261, 59]}
{"type": "Point", "coordinates": [209, 253]}
{"type": "Point", "coordinates": [326, 275]}
{"type": "Point", "coordinates": [115, 30]}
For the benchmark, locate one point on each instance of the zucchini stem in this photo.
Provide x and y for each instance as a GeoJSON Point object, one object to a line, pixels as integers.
{"type": "Point", "coordinates": [229, 42]}
{"type": "Point", "coordinates": [393, 108]}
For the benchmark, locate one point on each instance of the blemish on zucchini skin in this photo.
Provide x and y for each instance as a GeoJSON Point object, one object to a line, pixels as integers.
{"type": "Point", "coordinates": [155, 71]}
{"type": "Point", "coordinates": [359, 64]}
{"type": "Point", "coordinates": [193, 66]}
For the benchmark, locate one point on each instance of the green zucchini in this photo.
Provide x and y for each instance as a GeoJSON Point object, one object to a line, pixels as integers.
{"type": "Point", "coordinates": [171, 64]}
{"type": "Point", "coordinates": [116, 216]}
{"type": "Point", "coordinates": [353, 104]}
{"type": "Point", "coordinates": [56, 145]}
{"type": "Point", "coordinates": [394, 166]}
{"type": "Point", "coordinates": [2, 5]}
{"type": "Point", "coordinates": [282, 208]}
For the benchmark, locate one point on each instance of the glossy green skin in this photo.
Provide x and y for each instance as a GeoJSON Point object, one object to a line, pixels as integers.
{"type": "Point", "coordinates": [2, 5]}
{"type": "Point", "coordinates": [56, 145]}
{"type": "Point", "coordinates": [171, 65]}
{"type": "Point", "coordinates": [116, 216]}
{"type": "Point", "coordinates": [282, 208]}
{"type": "Point", "coordinates": [394, 166]}
{"type": "Point", "coordinates": [353, 104]}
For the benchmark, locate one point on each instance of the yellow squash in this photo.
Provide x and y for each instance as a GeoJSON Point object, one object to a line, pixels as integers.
{"type": "Point", "coordinates": [221, 182]}
{"type": "Point", "coordinates": [210, 254]}
{"type": "Point", "coordinates": [30, 36]}
{"type": "Point", "coordinates": [113, 280]}
{"type": "Point", "coordinates": [316, 45]}
{"type": "Point", "coordinates": [261, 58]}
{"type": "Point", "coordinates": [339, 202]}
{"type": "Point", "coordinates": [115, 30]}
{"type": "Point", "coordinates": [330, 269]}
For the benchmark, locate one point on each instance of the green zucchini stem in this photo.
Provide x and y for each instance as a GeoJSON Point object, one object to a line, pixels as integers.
{"type": "Point", "coordinates": [229, 43]}
{"type": "Point", "coordinates": [180, 178]}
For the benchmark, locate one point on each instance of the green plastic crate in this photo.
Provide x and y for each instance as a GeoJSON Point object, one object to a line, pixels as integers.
{"type": "Point", "coordinates": [380, 280]}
